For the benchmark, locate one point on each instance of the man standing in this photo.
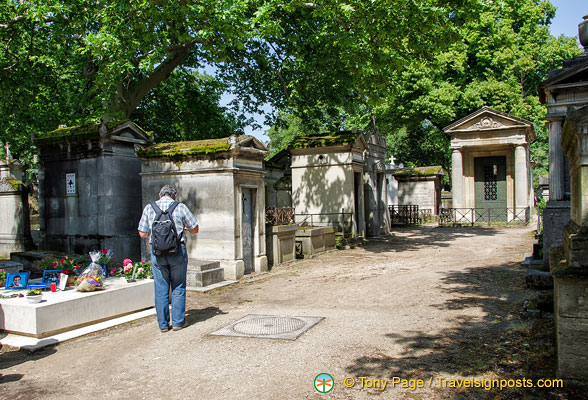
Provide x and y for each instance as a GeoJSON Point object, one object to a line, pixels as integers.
{"type": "Point", "coordinates": [169, 270]}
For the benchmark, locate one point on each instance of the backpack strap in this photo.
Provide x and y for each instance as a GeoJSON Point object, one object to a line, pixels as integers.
{"type": "Point", "coordinates": [170, 210]}
{"type": "Point", "coordinates": [172, 207]}
{"type": "Point", "coordinates": [157, 210]}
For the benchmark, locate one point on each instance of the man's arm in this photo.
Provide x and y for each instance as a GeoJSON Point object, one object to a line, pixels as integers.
{"type": "Point", "coordinates": [193, 231]}
{"type": "Point", "coordinates": [144, 235]}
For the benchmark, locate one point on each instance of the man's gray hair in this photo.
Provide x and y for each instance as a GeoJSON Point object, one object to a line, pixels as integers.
{"type": "Point", "coordinates": [168, 189]}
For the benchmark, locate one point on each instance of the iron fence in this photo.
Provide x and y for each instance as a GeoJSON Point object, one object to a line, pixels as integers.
{"type": "Point", "coordinates": [341, 221]}
{"type": "Point", "coordinates": [279, 215]}
{"type": "Point", "coordinates": [404, 214]}
{"type": "Point", "coordinates": [484, 216]}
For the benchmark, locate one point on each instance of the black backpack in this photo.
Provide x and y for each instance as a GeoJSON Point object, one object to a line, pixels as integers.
{"type": "Point", "coordinates": [164, 236]}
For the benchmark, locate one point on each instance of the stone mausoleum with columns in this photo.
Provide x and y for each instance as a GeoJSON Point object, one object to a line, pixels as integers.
{"type": "Point", "coordinates": [491, 167]}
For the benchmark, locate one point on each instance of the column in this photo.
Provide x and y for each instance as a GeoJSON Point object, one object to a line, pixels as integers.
{"type": "Point", "coordinates": [457, 178]}
{"type": "Point", "coordinates": [520, 178]}
{"type": "Point", "coordinates": [556, 162]}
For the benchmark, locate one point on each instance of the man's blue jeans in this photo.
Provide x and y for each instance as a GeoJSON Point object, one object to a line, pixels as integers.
{"type": "Point", "coordinates": [170, 271]}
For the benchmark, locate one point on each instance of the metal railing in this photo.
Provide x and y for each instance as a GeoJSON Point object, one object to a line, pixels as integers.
{"type": "Point", "coordinates": [404, 214]}
{"type": "Point", "coordinates": [279, 216]}
{"type": "Point", "coordinates": [484, 216]}
{"type": "Point", "coordinates": [341, 221]}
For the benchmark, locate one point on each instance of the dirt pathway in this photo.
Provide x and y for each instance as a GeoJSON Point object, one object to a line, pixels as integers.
{"type": "Point", "coordinates": [421, 304]}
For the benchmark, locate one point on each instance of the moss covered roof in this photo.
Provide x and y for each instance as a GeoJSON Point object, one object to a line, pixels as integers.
{"type": "Point", "coordinates": [187, 148]}
{"type": "Point", "coordinates": [421, 171]}
{"type": "Point", "coordinates": [70, 134]}
{"type": "Point", "coordinates": [323, 139]}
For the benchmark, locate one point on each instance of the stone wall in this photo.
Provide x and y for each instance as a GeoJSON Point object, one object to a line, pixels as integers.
{"type": "Point", "coordinates": [418, 192]}
{"type": "Point", "coordinates": [106, 206]}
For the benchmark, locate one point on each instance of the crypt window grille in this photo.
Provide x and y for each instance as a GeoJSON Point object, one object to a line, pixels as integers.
{"type": "Point", "coordinates": [490, 187]}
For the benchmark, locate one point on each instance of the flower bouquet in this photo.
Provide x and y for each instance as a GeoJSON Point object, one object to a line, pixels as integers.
{"type": "Point", "coordinates": [105, 260]}
{"type": "Point", "coordinates": [140, 269]}
{"type": "Point", "coordinates": [93, 276]}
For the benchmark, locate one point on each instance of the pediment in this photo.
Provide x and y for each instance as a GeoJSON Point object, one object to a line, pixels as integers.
{"type": "Point", "coordinates": [487, 119]}
{"type": "Point", "coordinates": [251, 142]}
{"type": "Point", "coordinates": [127, 131]}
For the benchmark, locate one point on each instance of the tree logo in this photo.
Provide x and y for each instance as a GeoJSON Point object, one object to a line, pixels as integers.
{"type": "Point", "coordinates": [324, 383]}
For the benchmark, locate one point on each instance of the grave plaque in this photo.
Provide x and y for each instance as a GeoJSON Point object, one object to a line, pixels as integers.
{"type": "Point", "coordinates": [70, 183]}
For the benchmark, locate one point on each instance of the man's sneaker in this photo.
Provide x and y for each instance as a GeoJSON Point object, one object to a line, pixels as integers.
{"type": "Point", "coordinates": [163, 330]}
{"type": "Point", "coordinates": [177, 328]}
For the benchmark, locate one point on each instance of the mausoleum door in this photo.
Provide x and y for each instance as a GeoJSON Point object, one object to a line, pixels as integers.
{"type": "Point", "coordinates": [248, 226]}
{"type": "Point", "coordinates": [490, 187]}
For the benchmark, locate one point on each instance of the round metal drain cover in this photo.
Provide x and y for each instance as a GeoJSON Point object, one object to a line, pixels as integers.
{"type": "Point", "coordinates": [268, 326]}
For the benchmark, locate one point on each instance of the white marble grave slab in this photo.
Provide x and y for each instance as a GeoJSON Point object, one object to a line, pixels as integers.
{"type": "Point", "coordinates": [61, 311]}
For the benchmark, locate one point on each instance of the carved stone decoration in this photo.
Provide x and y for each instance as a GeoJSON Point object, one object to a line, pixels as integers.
{"type": "Point", "coordinates": [486, 123]}
{"type": "Point", "coordinates": [583, 33]}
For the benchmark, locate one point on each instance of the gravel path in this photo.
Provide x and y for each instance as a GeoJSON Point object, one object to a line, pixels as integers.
{"type": "Point", "coordinates": [405, 306]}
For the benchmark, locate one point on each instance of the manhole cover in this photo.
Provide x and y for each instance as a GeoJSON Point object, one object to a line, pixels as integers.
{"type": "Point", "coordinates": [269, 326]}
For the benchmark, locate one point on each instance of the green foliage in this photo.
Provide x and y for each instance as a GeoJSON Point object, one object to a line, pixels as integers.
{"type": "Point", "coordinates": [492, 53]}
{"type": "Point", "coordinates": [185, 107]}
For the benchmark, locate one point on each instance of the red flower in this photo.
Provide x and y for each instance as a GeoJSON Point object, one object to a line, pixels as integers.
{"type": "Point", "coordinates": [76, 267]}
{"type": "Point", "coordinates": [66, 272]}
{"type": "Point", "coordinates": [62, 260]}
{"type": "Point", "coordinates": [104, 251]}
{"type": "Point", "coordinates": [55, 263]}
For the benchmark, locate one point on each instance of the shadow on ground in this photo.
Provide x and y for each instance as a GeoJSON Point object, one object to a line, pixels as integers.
{"type": "Point", "coordinates": [194, 316]}
{"type": "Point", "coordinates": [416, 238]}
{"type": "Point", "coordinates": [500, 345]}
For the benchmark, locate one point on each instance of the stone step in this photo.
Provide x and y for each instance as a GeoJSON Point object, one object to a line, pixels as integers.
{"type": "Point", "coordinates": [203, 273]}
{"type": "Point", "coordinates": [11, 266]}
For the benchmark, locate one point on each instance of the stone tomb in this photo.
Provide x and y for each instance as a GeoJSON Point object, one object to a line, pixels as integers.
{"type": "Point", "coordinates": [90, 188]}
{"type": "Point", "coordinates": [14, 210]}
{"type": "Point", "coordinates": [569, 263]}
{"type": "Point", "coordinates": [340, 172]}
{"type": "Point", "coordinates": [491, 166]}
{"type": "Point", "coordinates": [222, 183]}
{"type": "Point", "coordinates": [419, 186]}
{"type": "Point", "coordinates": [564, 90]}
{"type": "Point", "coordinates": [63, 311]}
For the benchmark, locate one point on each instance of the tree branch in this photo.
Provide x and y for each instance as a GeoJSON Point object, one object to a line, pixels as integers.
{"type": "Point", "coordinates": [127, 99]}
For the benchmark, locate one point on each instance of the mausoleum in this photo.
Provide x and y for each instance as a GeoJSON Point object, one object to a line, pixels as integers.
{"type": "Point", "coordinates": [90, 188]}
{"type": "Point", "coordinates": [222, 182]}
{"type": "Point", "coordinates": [14, 211]}
{"type": "Point", "coordinates": [564, 90]}
{"type": "Point", "coordinates": [338, 180]}
{"type": "Point", "coordinates": [491, 166]}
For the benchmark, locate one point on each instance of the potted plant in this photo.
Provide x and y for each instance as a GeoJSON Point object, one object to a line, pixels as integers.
{"type": "Point", "coordinates": [34, 296]}
{"type": "Point", "coordinates": [2, 278]}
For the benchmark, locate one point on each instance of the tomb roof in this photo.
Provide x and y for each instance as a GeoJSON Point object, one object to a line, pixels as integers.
{"type": "Point", "coordinates": [421, 171]}
{"type": "Point", "coordinates": [199, 147]}
{"type": "Point", "coordinates": [89, 131]}
{"type": "Point", "coordinates": [323, 139]}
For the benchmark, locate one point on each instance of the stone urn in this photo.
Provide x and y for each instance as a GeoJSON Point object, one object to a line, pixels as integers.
{"type": "Point", "coordinates": [583, 33]}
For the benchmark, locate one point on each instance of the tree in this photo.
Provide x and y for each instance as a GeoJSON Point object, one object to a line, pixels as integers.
{"type": "Point", "coordinates": [93, 60]}
{"type": "Point", "coordinates": [185, 107]}
{"type": "Point", "coordinates": [501, 57]}
{"type": "Point", "coordinates": [497, 54]}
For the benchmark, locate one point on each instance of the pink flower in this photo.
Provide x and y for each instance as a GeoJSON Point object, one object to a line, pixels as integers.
{"type": "Point", "coordinates": [140, 271]}
{"type": "Point", "coordinates": [127, 268]}
{"type": "Point", "coordinates": [127, 261]}
{"type": "Point", "coordinates": [112, 271]}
